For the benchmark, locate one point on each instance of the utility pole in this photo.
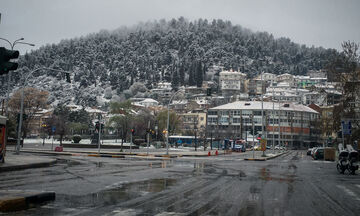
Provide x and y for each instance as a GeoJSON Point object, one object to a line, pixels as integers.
{"type": "Point", "coordinates": [263, 136]}
{"type": "Point", "coordinates": [131, 138]}
{"type": "Point", "coordinates": [253, 133]}
{"type": "Point", "coordinates": [262, 107]}
{"type": "Point", "coordinates": [99, 133]}
{"type": "Point", "coordinates": [279, 116]}
{"type": "Point", "coordinates": [273, 117]}
{"type": "Point", "coordinates": [148, 138]}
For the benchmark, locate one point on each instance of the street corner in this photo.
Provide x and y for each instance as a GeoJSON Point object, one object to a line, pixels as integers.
{"type": "Point", "coordinates": [17, 200]}
{"type": "Point", "coordinates": [19, 162]}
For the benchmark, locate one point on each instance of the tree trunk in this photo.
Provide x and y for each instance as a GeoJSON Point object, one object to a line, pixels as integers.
{"type": "Point", "coordinates": [61, 138]}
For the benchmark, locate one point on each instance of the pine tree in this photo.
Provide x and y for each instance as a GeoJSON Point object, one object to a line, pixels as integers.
{"type": "Point", "coordinates": [199, 74]}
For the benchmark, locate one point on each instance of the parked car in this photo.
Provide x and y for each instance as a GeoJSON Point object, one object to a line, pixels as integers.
{"type": "Point", "coordinates": [313, 151]}
{"type": "Point", "coordinates": [309, 151]}
{"type": "Point", "coordinates": [277, 147]}
{"type": "Point", "coordinates": [239, 148]}
{"type": "Point", "coordinates": [319, 153]}
{"type": "Point", "coordinates": [256, 148]}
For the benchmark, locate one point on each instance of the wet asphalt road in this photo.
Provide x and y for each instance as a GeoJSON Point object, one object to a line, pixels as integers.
{"type": "Point", "coordinates": [292, 184]}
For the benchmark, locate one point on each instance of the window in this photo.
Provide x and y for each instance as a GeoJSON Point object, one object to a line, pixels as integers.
{"type": "Point", "coordinates": [236, 120]}
{"type": "Point", "coordinates": [224, 120]}
{"type": "Point", "coordinates": [212, 120]}
{"type": "Point", "coordinates": [246, 112]}
{"type": "Point", "coordinates": [212, 112]}
{"type": "Point", "coordinates": [224, 113]}
{"type": "Point", "coordinates": [258, 113]}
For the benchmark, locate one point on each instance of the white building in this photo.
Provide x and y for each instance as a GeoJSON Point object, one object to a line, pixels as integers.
{"type": "Point", "coordinates": [286, 78]}
{"type": "Point", "coordinates": [291, 124]}
{"type": "Point", "coordinates": [268, 77]}
{"type": "Point", "coordinates": [148, 102]}
{"type": "Point", "coordinates": [232, 82]}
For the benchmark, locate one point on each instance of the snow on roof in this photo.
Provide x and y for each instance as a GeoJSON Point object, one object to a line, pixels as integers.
{"type": "Point", "coordinates": [202, 102]}
{"type": "Point", "coordinates": [256, 105]}
{"type": "Point", "coordinates": [149, 100]}
{"type": "Point", "coordinates": [285, 74]}
{"type": "Point", "coordinates": [283, 84]}
{"type": "Point", "coordinates": [232, 73]}
{"type": "Point", "coordinates": [45, 111]}
{"type": "Point", "coordinates": [74, 107]}
{"type": "Point", "coordinates": [333, 91]}
{"type": "Point", "coordinates": [179, 102]}
{"type": "Point", "coordinates": [93, 110]}
{"type": "Point", "coordinates": [114, 114]}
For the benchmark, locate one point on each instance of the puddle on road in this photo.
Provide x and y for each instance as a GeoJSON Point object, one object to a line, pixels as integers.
{"type": "Point", "coordinates": [266, 175]}
{"type": "Point", "coordinates": [124, 192]}
{"type": "Point", "coordinates": [251, 205]}
{"type": "Point", "coordinates": [69, 163]}
{"type": "Point", "coordinates": [99, 164]}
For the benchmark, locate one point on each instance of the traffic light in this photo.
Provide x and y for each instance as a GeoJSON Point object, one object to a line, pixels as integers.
{"type": "Point", "coordinates": [132, 131]}
{"type": "Point", "coordinates": [97, 125]}
{"type": "Point", "coordinates": [208, 92]}
{"type": "Point", "coordinates": [5, 57]}
{"type": "Point", "coordinates": [24, 117]}
{"type": "Point", "coordinates": [68, 77]}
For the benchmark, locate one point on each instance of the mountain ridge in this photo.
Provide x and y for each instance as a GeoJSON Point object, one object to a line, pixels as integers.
{"type": "Point", "coordinates": [178, 51]}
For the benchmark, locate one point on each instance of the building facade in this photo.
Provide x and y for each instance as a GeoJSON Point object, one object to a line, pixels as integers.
{"type": "Point", "coordinates": [193, 121]}
{"type": "Point", "coordinates": [232, 82]}
{"type": "Point", "coordinates": [288, 124]}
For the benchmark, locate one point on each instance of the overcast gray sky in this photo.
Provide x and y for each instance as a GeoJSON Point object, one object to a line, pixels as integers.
{"type": "Point", "coordinates": [324, 23]}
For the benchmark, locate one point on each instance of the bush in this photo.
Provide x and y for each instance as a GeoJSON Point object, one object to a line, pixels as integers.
{"type": "Point", "coordinates": [76, 138]}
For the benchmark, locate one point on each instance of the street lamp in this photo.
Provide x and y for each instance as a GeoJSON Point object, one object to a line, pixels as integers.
{"type": "Point", "coordinates": [22, 102]}
{"type": "Point", "coordinates": [167, 124]}
{"type": "Point", "coordinates": [195, 130]}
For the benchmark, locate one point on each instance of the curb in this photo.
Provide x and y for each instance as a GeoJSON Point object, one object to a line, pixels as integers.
{"type": "Point", "coordinates": [27, 166]}
{"type": "Point", "coordinates": [255, 159]}
{"type": "Point", "coordinates": [18, 203]}
{"type": "Point", "coordinates": [106, 155]}
{"type": "Point", "coordinates": [112, 154]}
{"type": "Point", "coordinates": [265, 159]}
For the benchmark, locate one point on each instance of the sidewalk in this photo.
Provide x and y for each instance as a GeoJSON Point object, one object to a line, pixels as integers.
{"type": "Point", "coordinates": [126, 153]}
{"type": "Point", "coordinates": [21, 161]}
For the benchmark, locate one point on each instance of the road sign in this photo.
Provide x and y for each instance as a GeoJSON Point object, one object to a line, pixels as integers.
{"type": "Point", "coordinates": [346, 127]}
{"type": "Point", "coordinates": [53, 129]}
{"type": "Point", "coordinates": [263, 144]}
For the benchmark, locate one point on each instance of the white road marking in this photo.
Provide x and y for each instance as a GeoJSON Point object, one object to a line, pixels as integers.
{"type": "Point", "coordinates": [349, 192]}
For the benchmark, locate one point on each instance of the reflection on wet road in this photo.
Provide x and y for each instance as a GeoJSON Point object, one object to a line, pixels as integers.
{"type": "Point", "coordinates": [292, 184]}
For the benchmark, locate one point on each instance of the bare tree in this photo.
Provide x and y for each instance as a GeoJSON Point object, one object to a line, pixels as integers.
{"type": "Point", "coordinates": [34, 101]}
{"type": "Point", "coordinates": [345, 70]}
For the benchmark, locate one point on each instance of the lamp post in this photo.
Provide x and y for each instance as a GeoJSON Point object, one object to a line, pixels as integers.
{"type": "Point", "coordinates": [99, 138]}
{"type": "Point", "coordinates": [22, 103]}
{"type": "Point", "coordinates": [253, 133]}
{"type": "Point", "coordinates": [262, 112]}
{"type": "Point", "coordinates": [273, 118]}
{"type": "Point", "coordinates": [167, 123]}
{"type": "Point", "coordinates": [195, 130]}
{"type": "Point", "coordinates": [12, 45]}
